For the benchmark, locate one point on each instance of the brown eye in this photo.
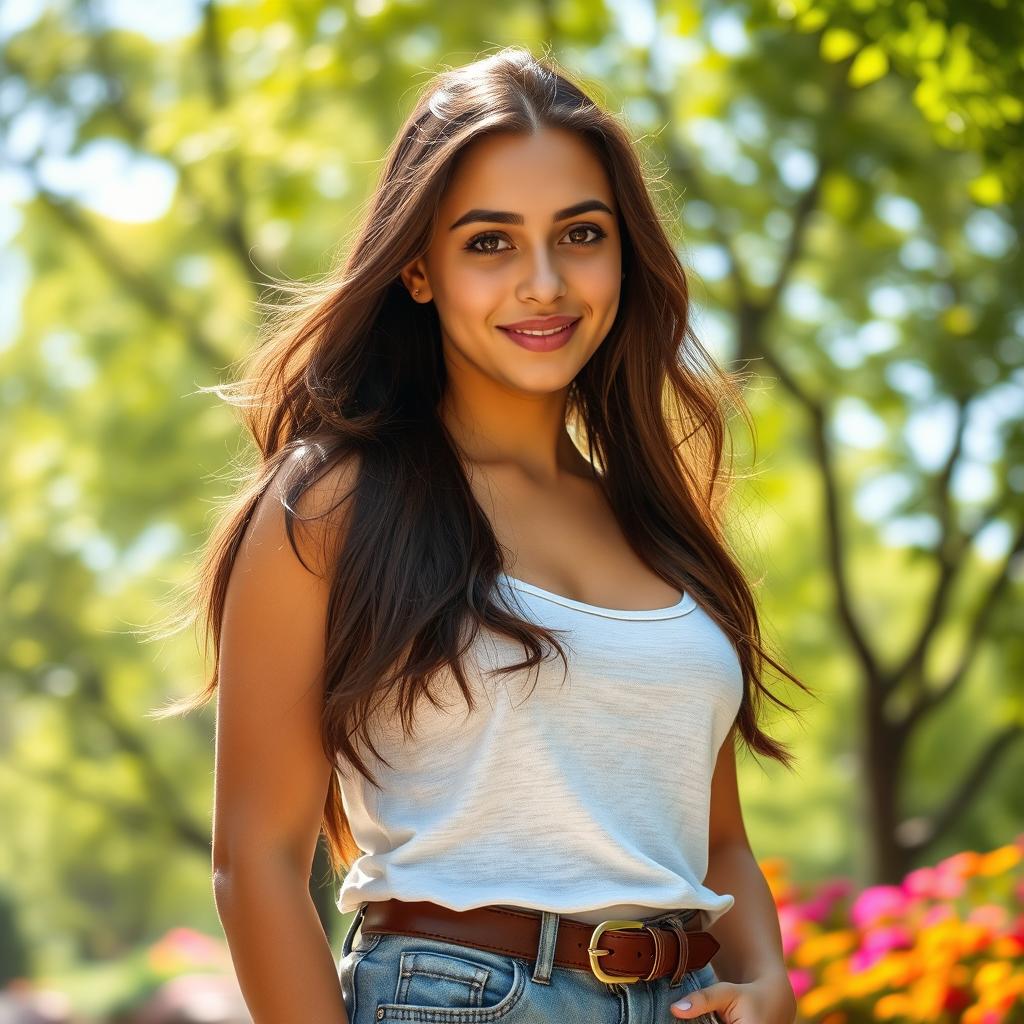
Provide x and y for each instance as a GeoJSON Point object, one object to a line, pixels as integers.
{"type": "Point", "coordinates": [471, 245]}
{"type": "Point", "coordinates": [481, 244]}
{"type": "Point", "coordinates": [587, 227]}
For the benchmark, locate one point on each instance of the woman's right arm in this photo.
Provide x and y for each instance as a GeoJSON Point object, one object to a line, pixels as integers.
{"type": "Point", "coordinates": [271, 774]}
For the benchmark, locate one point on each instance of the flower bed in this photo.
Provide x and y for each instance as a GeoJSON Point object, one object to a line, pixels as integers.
{"type": "Point", "coordinates": [946, 945]}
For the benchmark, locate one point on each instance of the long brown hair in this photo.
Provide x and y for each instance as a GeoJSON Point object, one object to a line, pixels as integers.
{"type": "Point", "coordinates": [351, 371]}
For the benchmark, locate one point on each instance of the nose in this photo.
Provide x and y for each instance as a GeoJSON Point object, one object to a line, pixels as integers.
{"type": "Point", "coordinates": [543, 283]}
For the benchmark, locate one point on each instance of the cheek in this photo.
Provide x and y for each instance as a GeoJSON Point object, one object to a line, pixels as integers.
{"type": "Point", "coordinates": [466, 296]}
{"type": "Point", "coordinates": [470, 311]}
{"type": "Point", "coordinates": [606, 279]}
{"type": "Point", "coordinates": [596, 283]}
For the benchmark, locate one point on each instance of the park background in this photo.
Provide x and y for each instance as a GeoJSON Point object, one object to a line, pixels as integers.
{"type": "Point", "coordinates": [844, 183]}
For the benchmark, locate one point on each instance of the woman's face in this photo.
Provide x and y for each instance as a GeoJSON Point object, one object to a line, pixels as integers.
{"type": "Point", "coordinates": [526, 230]}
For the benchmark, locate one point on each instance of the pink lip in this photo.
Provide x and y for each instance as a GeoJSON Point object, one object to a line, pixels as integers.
{"type": "Point", "coordinates": [539, 323]}
{"type": "Point", "coordinates": [545, 343]}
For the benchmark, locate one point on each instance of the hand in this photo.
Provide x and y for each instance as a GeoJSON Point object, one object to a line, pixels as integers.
{"type": "Point", "coordinates": [766, 1000]}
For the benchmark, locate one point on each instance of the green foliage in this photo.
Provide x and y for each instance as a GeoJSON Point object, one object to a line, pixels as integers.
{"type": "Point", "coordinates": [847, 185]}
{"type": "Point", "coordinates": [965, 57]}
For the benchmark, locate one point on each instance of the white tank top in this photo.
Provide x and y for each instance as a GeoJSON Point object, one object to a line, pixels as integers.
{"type": "Point", "coordinates": [590, 799]}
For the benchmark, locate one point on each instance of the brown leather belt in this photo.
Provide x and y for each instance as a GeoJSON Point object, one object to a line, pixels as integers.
{"type": "Point", "coordinates": [653, 952]}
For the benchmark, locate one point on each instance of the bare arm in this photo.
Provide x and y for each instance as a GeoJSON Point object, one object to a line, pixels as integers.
{"type": "Point", "coordinates": [749, 932]}
{"type": "Point", "coordinates": [272, 777]}
{"type": "Point", "coordinates": [753, 981]}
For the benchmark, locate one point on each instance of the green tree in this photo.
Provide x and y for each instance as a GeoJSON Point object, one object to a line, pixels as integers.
{"type": "Point", "coordinates": [847, 254]}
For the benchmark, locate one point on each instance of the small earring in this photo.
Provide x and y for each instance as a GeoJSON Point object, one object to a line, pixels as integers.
{"type": "Point", "coordinates": [416, 291]}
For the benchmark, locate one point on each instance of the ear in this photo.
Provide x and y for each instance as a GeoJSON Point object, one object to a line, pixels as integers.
{"type": "Point", "coordinates": [414, 275]}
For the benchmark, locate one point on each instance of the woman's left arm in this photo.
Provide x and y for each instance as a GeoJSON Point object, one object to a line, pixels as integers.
{"type": "Point", "coordinates": [753, 982]}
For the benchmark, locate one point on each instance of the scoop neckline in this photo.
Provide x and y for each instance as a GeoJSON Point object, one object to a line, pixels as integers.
{"type": "Point", "coordinates": [683, 606]}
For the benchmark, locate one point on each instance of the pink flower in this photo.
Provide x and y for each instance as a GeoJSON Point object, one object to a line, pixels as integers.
{"type": "Point", "coordinates": [862, 959]}
{"type": "Point", "coordinates": [888, 937]}
{"type": "Point", "coordinates": [921, 883]}
{"type": "Point", "coordinates": [835, 888]}
{"type": "Point", "coordinates": [180, 948]}
{"type": "Point", "coordinates": [801, 981]}
{"type": "Point", "coordinates": [934, 883]}
{"type": "Point", "coordinates": [790, 920]}
{"type": "Point", "coordinates": [991, 915]}
{"type": "Point", "coordinates": [877, 902]}
{"type": "Point", "coordinates": [816, 909]}
{"type": "Point", "coordinates": [935, 914]}
{"type": "Point", "coordinates": [963, 864]}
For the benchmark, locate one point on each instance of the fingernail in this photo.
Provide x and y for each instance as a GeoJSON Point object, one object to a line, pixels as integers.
{"type": "Point", "coordinates": [685, 1004]}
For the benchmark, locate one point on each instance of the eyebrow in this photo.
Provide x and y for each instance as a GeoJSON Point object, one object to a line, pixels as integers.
{"type": "Point", "coordinates": [504, 217]}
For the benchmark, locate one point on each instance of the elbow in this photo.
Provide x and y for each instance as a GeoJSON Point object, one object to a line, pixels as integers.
{"type": "Point", "coordinates": [221, 860]}
{"type": "Point", "coordinates": [225, 871]}
{"type": "Point", "coordinates": [222, 884]}
{"type": "Point", "coordinates": [241, 875]}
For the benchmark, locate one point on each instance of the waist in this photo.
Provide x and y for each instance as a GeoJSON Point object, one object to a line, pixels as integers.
{"type": "Point", "coordinates": [617, 951]}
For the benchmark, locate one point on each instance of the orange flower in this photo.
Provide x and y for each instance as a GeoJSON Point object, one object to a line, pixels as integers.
{"type": "Point", "coordinates": [998, 988]}
{"type": "Point", "coordinates": [937, 962]}
{"type": "Point", "coordinates": [865, 983]}
{"type": "Point", "coordinates": [1008, 947]}
{"type": "Point", "coordinates": [952, 938]}
{"type": "Point", "coordinates": [929, 996]}
{"type": "Point", "coordinates": [825, 947]}
{"type": "Point", "coordinates": [990, 975]}
{"type": "Point", "coordinates": [822, 998]}
{"type": "Point", "coordinates": [835, 1017]}
{"type": "Point", "coordinates": [965, 864]}
{"type": "Point", "coordinates": [1000, 860]}
{"type": "Point", "coordinates": [837, 973]}
{"type": "Point", "coordinates": [772, 867]}
{"type": "Point", "coordinates": [896, 1005]}
{"type": "Point", "coordinates": [974, 937]}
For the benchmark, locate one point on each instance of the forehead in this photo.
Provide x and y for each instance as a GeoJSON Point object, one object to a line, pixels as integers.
{"type": "Point", "coordinates": [533, 174]}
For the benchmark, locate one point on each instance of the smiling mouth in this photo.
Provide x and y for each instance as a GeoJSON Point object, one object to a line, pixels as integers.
{"type": "Point", "coordinates": [540, 340]}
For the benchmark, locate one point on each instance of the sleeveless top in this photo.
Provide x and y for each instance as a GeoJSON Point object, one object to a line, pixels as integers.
{"type": "Point", "coordinates": [588, 797]}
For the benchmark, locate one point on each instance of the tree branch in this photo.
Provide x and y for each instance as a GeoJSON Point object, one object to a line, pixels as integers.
{"type": "Point", "coordinates": [805, 206]}
{"type": "Point", "coordinates": [233, 227]}
{"type": "Point", "coordinates": [230, 229]}
{"type": "Point", "coordinates": [834, 536]}
{"type": "Point", "coordinates": [930, 699]}
{"type": "Point", "coordinates": [971, 783]}
{"type": "Point", "coordinates": [752, 316]}
{"type": "Point", "coordinates": [165, 790]}
{"type": "Point", "coordinates": [684, 167]}
{"type": "Point", "coordinates": [948, 553]}
{"type": "Point", "coordinates": [131, 815]}
{"type": "Point", "coordinates": [142, 287]}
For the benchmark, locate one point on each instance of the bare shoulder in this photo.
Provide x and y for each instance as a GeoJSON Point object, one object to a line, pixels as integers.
{"type": "Point", "coordinates": [272, 773]}
{"type": "Point", "coordinates": [309, 504]}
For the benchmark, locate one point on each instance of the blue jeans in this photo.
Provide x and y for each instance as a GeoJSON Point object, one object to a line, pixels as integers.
{"type": "Point", "coordinates": [408, 978]}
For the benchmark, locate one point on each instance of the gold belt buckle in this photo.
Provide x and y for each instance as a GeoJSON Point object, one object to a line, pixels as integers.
{"type": "Point", "coordinates": [595, 951]}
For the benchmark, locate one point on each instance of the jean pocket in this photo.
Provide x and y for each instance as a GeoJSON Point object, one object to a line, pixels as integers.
{"type": "Point", "coordinates": [702, 977]}
{"type": "Point", "coordinates": [347, 972]}
{"type": "Point", "coordinates": [438, 982]}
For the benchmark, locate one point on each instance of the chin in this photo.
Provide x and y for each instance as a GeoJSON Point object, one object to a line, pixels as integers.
{"type": "Point", "coordinates": [542, 381]}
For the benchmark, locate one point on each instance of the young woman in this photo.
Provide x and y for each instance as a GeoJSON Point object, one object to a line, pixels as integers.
{"type": "Point", "coordinates": [489, 444]}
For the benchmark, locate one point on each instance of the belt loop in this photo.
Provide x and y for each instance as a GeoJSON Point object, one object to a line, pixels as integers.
{"type": "Point", "coordinates": [356, 921]}
{"type": "Point", "coordinates": [546, 947]}
{"type": "Point", "coordinates": [684, 953]}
